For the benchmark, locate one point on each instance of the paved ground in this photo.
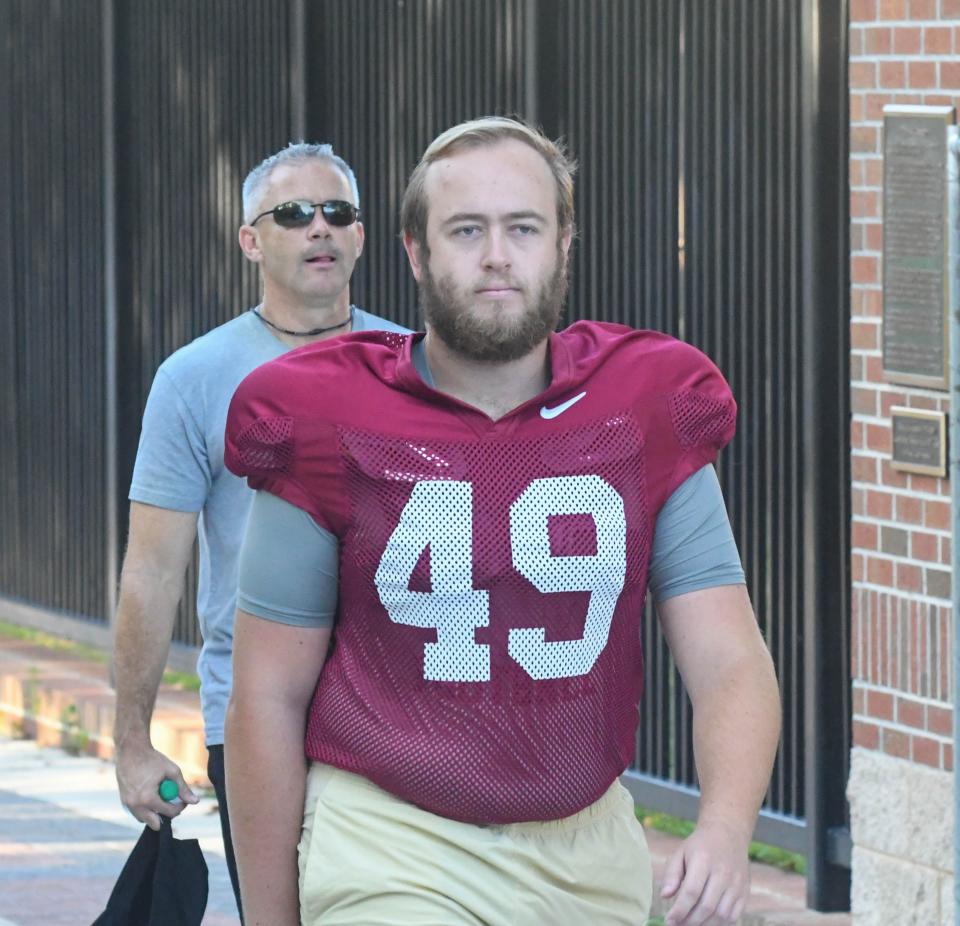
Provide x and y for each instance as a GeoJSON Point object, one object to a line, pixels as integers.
{"type": "Point", "coordinates": [64, 838]}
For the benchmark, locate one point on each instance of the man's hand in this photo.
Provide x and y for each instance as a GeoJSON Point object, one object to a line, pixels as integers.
{"type": "Point", "coordinates": [708, 877]}
{"type": "Point", "coordinates": [140, 769]}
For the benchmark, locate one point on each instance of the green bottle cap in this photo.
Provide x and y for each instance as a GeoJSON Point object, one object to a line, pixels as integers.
{"type": "Point", "coordinates": [169, 789]}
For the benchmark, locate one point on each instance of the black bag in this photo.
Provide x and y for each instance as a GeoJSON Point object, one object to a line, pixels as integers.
{"type": "Point", "coordinates": [163, 883]}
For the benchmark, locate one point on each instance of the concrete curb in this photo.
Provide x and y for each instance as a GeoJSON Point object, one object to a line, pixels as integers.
{"type": "Point", "coordinates": [59, 700]}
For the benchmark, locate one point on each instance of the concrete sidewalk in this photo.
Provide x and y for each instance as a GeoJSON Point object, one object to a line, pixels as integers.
{"type": "Point", "coordinates": [60, 700]}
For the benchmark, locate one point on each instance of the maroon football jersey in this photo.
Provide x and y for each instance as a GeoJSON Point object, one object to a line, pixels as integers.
{"type": "Point", "coordinates": [487, 663]}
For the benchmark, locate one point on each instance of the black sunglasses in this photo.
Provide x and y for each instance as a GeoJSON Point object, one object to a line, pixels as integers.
{"type": "Point", "coordinates": [299, 213]}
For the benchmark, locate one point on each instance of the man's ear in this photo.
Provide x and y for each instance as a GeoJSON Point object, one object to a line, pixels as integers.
{"type": "Point", "coordinates": [565, 240]}
{"type": "Point", "coordinates": [250, 243]}
{"type": "Point", "coordinates": [414, 255]}
{"type": "Point", "coordinates": [361, 237]}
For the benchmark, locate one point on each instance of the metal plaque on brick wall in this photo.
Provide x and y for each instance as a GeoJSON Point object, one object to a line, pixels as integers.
{"type": "Point", "coordinates": [915, 245]}
{"type": "Point", "coordinates": [919, 441]}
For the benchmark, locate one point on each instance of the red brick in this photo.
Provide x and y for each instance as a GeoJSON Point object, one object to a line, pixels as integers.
{"type": "Point", "coordinates": [924, 546]}
{"type": "Point", "coordinates": [889, 399]}
{"type": "Point", "coordinates": [944, 551]}
{"type": "Point", "coordinates": [855, 42]}
{"type": "Point", "coordinates": [948, 756]}
{"type": "Point", "coordinates": [909, 578]}
{"type": "Point", "coordinates": [873, 170]}
{"type": "Point", "coordinates": [864, 535]}
{"type": "Point", "coordinates": [896, 744]}
{"type": "Point", "coordinates": [863, 400]}
{"type": "Point", "coordinates": [929, 484]}
{"type": "Point", "coordinates": [857, 570]}
{"type": "Point", "coordinates": [926, 751]}
{"type": "Point", "coordinates": [877, 41]}
{"type": "Point", "coordinates": [873, 369]}
{"type": "Point", "coordinates": [880, 505]}
{"type": "Point", "coordinates": [938, 40]}
{"type": "Point", "coordinates": [880, 705]}
{"type": "Point", "coordinates": [863, 469]}
{"type": "Point", "coordinates": [864, 336]}
{"type": "Point", "coordinates": [857, 107]}
{"type": "Point", "coordinates": [862, 74]}
{"type": "Point", "coordinates": [923, 402]}
{"type": "Point", "coordinates": [910, 714]}
{"type": "Point", "coordinates": [855, 167]}
{"type": "Point", "coordinates": [907, 40]}
{"type": "Point", "coordinates": [949, 9]}
{"type": "Point", "coordinates": [892, 477]}
{"type": "Point", "coordinates": [856, 435]}
{"type": "Point", "coordinates": [858, 368]}
{"type": "Point", "coordinates": [866, 735]}
{"type": "Point", "coordinates": [863, 10]}
{"type": "Point", "coordinates": [879, 438]}
{"type": "Point", "coordinates": [938, 99]}
{"type": "Point", "coordinates": [936, 515]}
{"type": "Point", "coordinates": [909, 510]}
{"type": "Point", "coordinates": [864, 268]}
{"type": "Point", "coordinates": [864, 204]}
{"type": "Point", "coordinates": [858, 502]}
{"type": "Point", "coordinates": [908, 99]}
{"type": "Point", "coordinates": [873, 237]}
{"type": "Point", "coordinates": [859, 698]}
{"type": "Point", "coordinates": [922, 74]}
{"type": "Point", "coordinates": [892, 74]}
{"type": "Point", "coordinates": [950, 75]}
{"type": "Point", "coordinates": [939, 720]}
{"type": "Point", "coordinates": [864, 138]}
{"type": "Point", "coordinates": [892, 9]}
{"type": "Point", "coordinates": [956, 36]}
{"type": "Point", "coordinates": [880, 571]}
{"type": "Point", "coordinates": [873, 302]}
{"type": "Point", "coordinates": [923, 9]}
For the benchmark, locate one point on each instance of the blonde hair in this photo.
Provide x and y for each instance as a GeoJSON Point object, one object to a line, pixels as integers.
{"type": "Point", "coordinates": [487, 130]}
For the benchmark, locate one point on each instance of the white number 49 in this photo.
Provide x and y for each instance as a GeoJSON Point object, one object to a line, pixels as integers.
{"type": "Point", "coordinates": [439, 514]}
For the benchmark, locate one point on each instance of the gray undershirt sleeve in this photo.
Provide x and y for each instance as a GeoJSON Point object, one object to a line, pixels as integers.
{"type": "Point", "coordinates": [693, 544]}
{"type": "Point", "coordinates": [289, 565]}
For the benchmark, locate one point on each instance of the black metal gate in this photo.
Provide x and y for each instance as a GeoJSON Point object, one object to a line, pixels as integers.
{"type": "Point", "coordinates": [711, 202]}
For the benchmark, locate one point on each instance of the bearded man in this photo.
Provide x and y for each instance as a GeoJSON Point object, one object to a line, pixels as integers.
{"type": "Point", "coordinates": [475, 515]}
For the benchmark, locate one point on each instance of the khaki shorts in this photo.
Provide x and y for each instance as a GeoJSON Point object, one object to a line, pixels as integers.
{"type": "Point", "coordinates": [368, 858]}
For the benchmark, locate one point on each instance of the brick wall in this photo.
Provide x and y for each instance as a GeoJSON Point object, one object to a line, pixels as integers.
{"type": "Point", "coordinates": [901, 51]}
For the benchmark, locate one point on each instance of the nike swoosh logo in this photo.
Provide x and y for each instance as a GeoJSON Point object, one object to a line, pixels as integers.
{"type": "Point", "coordinates": [549, 413]}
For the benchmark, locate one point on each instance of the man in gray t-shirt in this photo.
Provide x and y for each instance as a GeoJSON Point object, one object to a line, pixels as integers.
{"type": "Point", "coordinates": [301, 226]}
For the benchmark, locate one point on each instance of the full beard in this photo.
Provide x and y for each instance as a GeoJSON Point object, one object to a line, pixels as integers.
{"type": "Point", "coordinates": [488, 334]}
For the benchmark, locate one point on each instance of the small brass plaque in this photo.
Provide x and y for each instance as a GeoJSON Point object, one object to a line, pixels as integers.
{"type": "Point", "coordinates": [915, 245]}
{"type": "Point", "coordinates": [919, 441]}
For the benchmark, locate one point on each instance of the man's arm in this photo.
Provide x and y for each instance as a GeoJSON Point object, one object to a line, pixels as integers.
{"type": "Point", "coordinates": [729, 675]}
{"type": "Point", "coordinates": [151, 583]}
{"type": "Point", "coordinates": [275, 670]}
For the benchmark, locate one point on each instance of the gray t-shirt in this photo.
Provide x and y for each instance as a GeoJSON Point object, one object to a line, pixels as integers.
{"type": "Point", "coordinates": [179, 466]}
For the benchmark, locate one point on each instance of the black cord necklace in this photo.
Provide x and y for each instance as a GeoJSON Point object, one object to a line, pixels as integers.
{"type": "Point", "coordinates": [303, 334]}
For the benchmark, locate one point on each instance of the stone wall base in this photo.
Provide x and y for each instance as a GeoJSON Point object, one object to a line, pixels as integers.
{"type": "Point", "coordinates": [901, 823]}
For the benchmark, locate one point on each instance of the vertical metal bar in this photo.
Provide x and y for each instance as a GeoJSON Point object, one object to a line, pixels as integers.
{"type": "Point", "coordinates": [953, 200]}
{"type": "Point", "coordinates": [110, 463]}
{"type": "Point", "coordinates": [298, 69]}
{"type": "Point", "coordinates": [825, 340]}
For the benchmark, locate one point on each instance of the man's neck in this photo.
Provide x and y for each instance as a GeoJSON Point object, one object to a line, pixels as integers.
{"type": "Point", "coordinates": [298, 316]}
{"type": "Point", "coordinates": [494, 388]}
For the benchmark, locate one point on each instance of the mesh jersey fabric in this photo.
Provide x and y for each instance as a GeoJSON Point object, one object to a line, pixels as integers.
{"type": "Point", "coordinates": [487, 662]}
